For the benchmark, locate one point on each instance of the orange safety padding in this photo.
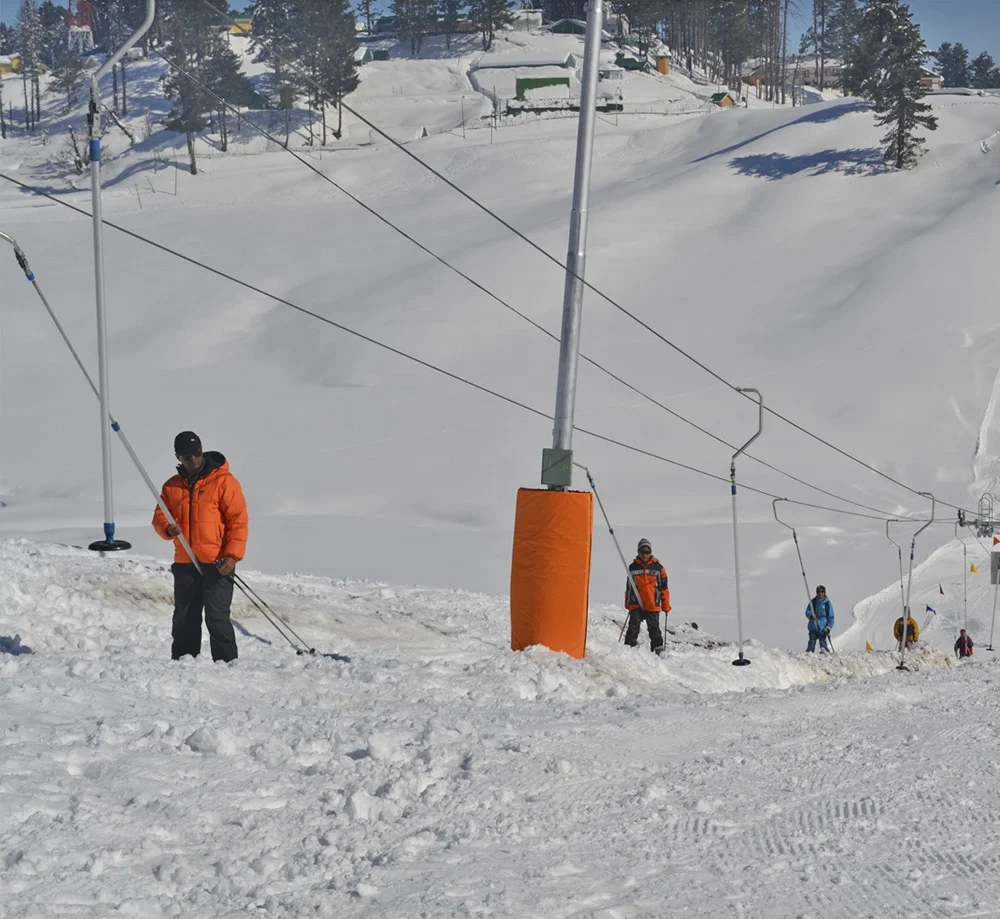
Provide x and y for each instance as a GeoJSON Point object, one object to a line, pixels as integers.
{"type": "Point", "coordinates": [550, 570]}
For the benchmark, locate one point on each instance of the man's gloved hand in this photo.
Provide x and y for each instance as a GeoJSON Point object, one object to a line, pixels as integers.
{"type": "Point", "coordinates": [826, 631]}
{"type": "Point", "coordinates": [226, 566]}
{"type": "Point", "coordinates": [173, 530]}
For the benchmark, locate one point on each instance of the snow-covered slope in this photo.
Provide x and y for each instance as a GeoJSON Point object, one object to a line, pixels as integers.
{"type": "Point", "coordinates": [427, 770]}
{"type": "Point", "coordinates": [773, 245]}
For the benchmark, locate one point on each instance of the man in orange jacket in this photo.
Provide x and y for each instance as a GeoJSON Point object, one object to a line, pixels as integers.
{"type": "Point", "coordinates": [650, 579]}
{"type": "Point", "coordinates": [208, 504]}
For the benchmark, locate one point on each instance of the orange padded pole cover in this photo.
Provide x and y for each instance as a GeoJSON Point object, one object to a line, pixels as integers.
{"type": "Point", "coordinates": [550, 570]}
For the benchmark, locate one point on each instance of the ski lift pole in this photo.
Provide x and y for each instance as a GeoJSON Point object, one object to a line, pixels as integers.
{"type": "Point", "coordinates": [621, 555]}
{"type": "Point", "coordinates": [810, 602]}
{"type": "Point", "coordinates": [993, 622]}
{"type": "Point", "coordinates": [742, 661]}
{"type": "Point", "coordinates": [965, 574]}
{"type": "Point", "coordinates": [111, 423]}
{"type": "Point", "coordinates": [899, 551]}
{"type": "Point", "coordinates": [109, 543]}
{"type": "Point", "coordinates": [909, 582]}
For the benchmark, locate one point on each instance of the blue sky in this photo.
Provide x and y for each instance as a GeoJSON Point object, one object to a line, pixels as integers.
{"type": "Point", "coordinates": [974, 23]}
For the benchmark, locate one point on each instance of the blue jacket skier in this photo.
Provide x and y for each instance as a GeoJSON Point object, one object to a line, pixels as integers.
{"type": "Point", "coordinates": [820, 615]}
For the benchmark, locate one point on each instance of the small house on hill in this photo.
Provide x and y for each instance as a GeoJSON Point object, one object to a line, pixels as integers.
{"type": "Point", "coordinates": [723, 100]}
{"type": "Point", "coordinates": [10, 63]}
{"type": "Point", "coordinates": [929, 79]}
{"type": "Point", "coordinates": [575, 27]}
{"type": "Point", "coordinates": [241, 27]}
{"type": "Point", "coordinates": [524, 60]}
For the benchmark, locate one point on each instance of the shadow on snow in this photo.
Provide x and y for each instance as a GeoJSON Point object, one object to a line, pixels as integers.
{"type": "Point", "coordinates": [857, 161]}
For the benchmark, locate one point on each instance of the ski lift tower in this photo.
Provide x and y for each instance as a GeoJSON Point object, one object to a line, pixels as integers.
{"type": "Point", "coordinates": [81, 26]}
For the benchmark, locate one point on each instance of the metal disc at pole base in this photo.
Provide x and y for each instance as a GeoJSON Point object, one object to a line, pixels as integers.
{"type": "Point", "coordinates": [741, 661]}
{"type": "Point", "coordinates": [109, 543]}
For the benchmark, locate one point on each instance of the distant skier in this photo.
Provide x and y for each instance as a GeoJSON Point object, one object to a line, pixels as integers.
{"type": "Point", "coordinates": [963, 647]}
{"type": "Point", "coordinates": [912, 631]}
{"type": "Point", "coordinates": [208, 504]}
{"type": "Point", "coordinates": [651, 581]}
{"type": "Point", "coordinates": [819, 612]}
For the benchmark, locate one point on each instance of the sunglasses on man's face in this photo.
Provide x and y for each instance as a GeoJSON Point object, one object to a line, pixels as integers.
{"type": "Point", "coordinates": [187, 457]}
{"type": "Point", "coordinates": [645, 551]}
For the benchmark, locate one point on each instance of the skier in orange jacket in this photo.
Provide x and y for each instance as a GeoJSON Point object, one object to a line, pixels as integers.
{"type": "Point", "coordinates": [208, 504]}
{"type": "Point", "coordinates": [650, 579]}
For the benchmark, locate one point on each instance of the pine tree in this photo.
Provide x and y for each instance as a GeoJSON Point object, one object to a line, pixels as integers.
{"type": "Point", "coordinates": [643, 17]}
{"type": "Point", "coordinates": [953, 60]}
{"type": "Point", "coordinates": [325, 44]}
{"type": "Point", "coordinates": [52, 19]}
{"type": "Point", "coordinates": [894, 83]}
{"type": "Point", "coordinates": [67, 75]}
{"type": "Point", "coordinates": [448, 11]}
{"type": "Point", "coordinates": [195, 45]}
{"type": "Point", "coordinates": [842, 28]}
{"type": "Point", "coordinates": [489, 17]}
{"type": "Point", "coordinates": [367, 9]}
{"type": "Point", "coordinates": [982, 72]}
{"type": "Point", "coordinates": [414, 20]}
{"type": "Point", "coordinates": [223, 74]}
{"type": "Point", "coordinates": [272, 43]}
{"type": "Point", "coordinates": [29, 34]}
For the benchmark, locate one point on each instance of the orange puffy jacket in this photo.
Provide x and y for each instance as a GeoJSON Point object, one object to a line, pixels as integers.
{"type": "Point", "coordinates": [651, 580]}
{"type": "Point", "coordinates": [211, 512]}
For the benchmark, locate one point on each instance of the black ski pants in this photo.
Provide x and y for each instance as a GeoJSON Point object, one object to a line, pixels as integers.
{"type": "Point", "coordinates": [636, 617]}
{"type": "Point", "coordinates": [194, 592]}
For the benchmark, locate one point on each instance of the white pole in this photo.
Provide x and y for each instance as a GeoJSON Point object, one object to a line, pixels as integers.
{"type": "Point", "coordinates": [899, 552]}
{"type": "Point", "coordinates": [795, 537]}
{"type": "Point", "coordinates": [621, 555]}
{"type": "Point", "coordinates": [993, 623]}
{"type": "Point", "coordinates": [909, 582]}
{"type": "Point", "coordinates": [965, 575]}
{"type": "Point", "coordinates": [742, 661]}
{"type": "Point", "coordinates": [569, 343]}
{"type": "Point", "coordinates": [109, 543]}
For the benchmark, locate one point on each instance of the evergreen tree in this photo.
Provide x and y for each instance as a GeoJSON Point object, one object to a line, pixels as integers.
{"type": "Point", "coordinates": [953, 60]}
{"type": "Point", "coordinates": [223, 74]}
{"type": "Point", "coordinates": [893, 84]}
{"type": "Point", "coordinates": [8, 39]}
{"type": "Point", "coordinates": [842, 27]}
{"type": "Point", "coordinates": [195, 44]}
{"type": "Point", "coordinates": [29, 34]}
{"type": "Point", "coordinates": [52, 19]}
{"type": "Point", "coordinates": [367, 9]}
{"type": "Point", "coordinates": [489, 17]}
{"type": "Point", "coordinates": [982, 72]}
{"type": "Point", "coordinates": [414, 20]}
{"type": "Point", "coordinates": [643, 17]}
{"type": "Point", "coordinates": [325, 44]}
{"type": "Point", "coordinates": [272, 43]}
{"type": "Point", "coordinates": [68, 75]}
{"type": "Point", "coordinates": [448, 11]}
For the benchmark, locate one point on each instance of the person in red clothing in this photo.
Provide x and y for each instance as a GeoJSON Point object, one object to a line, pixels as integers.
{"type": "Point", "coordinates": [963, 647]}
{"type": "Point", "coordinates": [650, 579]}
{"type": "Point", "coordinates": [208, 504]}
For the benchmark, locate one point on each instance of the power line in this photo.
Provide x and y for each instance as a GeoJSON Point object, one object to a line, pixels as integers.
{"type": "Point", "coordinates": [495, 296]}
{"type": "Point", "coordinates": [413, 358]}
{"type": "Point", "coordinates": [606, 297]}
